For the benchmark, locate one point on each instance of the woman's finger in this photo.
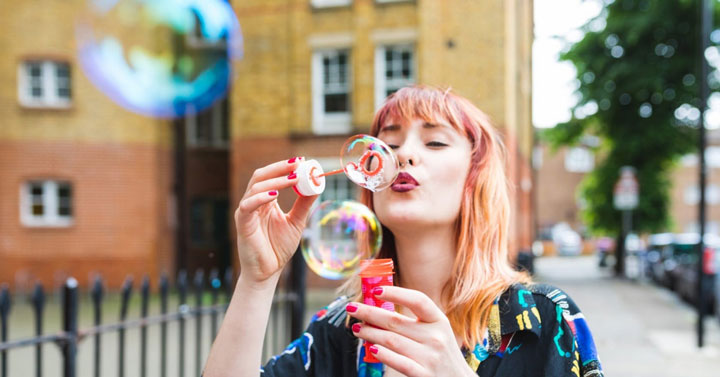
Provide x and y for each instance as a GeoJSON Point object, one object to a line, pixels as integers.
{"type": "Point", "coordinates": [251, 204]}
{"type": "Point", "coordinates": [400, 363]}
{"type": "Point", "coordinates": [278, 183]}
{"type": "Point", "coordinates": [387, 320]}
{"type": "Point", "coordinates": [274, 170]}
{"type": "Point", "coordinates": [392, 340]}
{"type": "Point", "coordinates": [419, 303]}
{"type": "Point", "coordinates": [300, 210]}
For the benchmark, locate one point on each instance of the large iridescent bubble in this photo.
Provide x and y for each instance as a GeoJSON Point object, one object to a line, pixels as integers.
{"type": "Point", "coordinates": [369, 162]}
{"type": "Point", "coordinates": [338, 236]}
{"type": "Point", "coordinates": [160, 58]}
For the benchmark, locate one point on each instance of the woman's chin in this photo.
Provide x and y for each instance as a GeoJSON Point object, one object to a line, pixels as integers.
{"type": "Point", "coordinates": [398, 220]}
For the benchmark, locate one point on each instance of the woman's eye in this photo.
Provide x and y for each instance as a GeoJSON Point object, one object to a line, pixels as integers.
{"type": "Point", "coordinates": [393, 146]}
{"type": "Point", "coordinates": [436, 144]}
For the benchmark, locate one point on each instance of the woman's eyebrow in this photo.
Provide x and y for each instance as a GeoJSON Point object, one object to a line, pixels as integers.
{"type": "Point", "coordinates": [390, 127]}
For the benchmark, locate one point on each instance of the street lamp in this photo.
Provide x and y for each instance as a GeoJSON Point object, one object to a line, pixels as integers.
{"type": "Point", "coordinates": [705, 26]}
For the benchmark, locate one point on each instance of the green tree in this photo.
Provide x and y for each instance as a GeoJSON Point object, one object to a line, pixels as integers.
{"type": "Point", "coordinates": [638, 91]}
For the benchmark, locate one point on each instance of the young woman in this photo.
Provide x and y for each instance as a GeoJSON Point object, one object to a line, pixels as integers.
{"type": "Point", "coordinates": [462, 310]}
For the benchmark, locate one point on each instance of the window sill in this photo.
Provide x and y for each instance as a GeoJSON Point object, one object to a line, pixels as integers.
{"type": "Point", "coordinates": [325, 4]}
{"type": "Point", "coordinates": [46, 106]}
{"type": "Point", "coordinates": [48, 225]}
{"type": "Point", "coordinates": [383, 2]}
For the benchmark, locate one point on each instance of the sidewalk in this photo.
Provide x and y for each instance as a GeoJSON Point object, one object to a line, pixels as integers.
{"type": "Point", "coordinates": [639, 328]}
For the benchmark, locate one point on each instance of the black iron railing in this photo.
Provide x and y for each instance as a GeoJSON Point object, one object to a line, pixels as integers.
{"type": "Point", "coordinates": [71, 335]}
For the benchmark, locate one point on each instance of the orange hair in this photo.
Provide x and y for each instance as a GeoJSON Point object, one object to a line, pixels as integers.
{"type": "Point", "coordinates": [482, 270]}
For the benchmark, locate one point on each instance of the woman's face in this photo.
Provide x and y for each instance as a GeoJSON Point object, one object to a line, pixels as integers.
{"type": "Point", "coordinates": [435, 160]}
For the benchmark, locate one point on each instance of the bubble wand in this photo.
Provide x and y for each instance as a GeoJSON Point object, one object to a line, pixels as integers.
{"type": "Point", "coordinates": [371, 165]}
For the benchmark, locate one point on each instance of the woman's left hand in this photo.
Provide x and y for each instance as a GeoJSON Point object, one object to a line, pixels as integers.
{"type": "Point", "coordinates": [420, 347]}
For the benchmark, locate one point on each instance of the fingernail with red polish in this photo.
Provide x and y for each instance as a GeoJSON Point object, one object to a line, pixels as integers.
{"type": "Point", "coordinates": [351, 308]}
{"type": "Point", "coordinates": [290, 161]}
{"type": "Point", "coordinates": [273, 193]}
{"type": "Point", "coordinates": [373, 349]}
{"type": "Point", "coordinates": [292, 176]}
{"type": "Point", "coordinates": [377, 291]}
{"type": "Point", "coordinates": [356, 327]}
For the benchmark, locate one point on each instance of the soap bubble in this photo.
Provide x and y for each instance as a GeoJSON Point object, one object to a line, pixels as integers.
{"type": "Point", "coordinates": [339, 235]}
{"type": "Point", "coordinates": [162, 58]}
{"type": "Point", "coordinates": [369, 162]}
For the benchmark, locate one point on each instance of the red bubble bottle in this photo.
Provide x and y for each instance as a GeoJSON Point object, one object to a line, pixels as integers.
{"type": "Point", "coordinates": [375, 273]}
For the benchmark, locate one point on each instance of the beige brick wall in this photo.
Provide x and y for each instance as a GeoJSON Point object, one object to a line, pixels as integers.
{"type": "Point", "coordinates": [118, 162]}
{"type": "Point", "coordinates": [480, 48]}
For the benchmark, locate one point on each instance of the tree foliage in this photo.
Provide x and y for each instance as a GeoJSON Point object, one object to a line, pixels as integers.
{"type": "Point", "coordinates": [638, 91]}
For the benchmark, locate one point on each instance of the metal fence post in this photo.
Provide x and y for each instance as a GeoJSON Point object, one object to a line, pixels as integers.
{"type": "Point", "coordinates": [199, 282]}
{"type": "Point", "coordinates": [70, 325]}
{"type": "Point", "coordinates": [164, 287]}
{"type": "Point", "coordinates": [124, 303]}
{"type": "Point", "coordinates": [145, 298]}
{"type": "Point", "coordinates": [97, 297]}
{"type": "Point", "coordinates": [4, 313]}
{"type": "Point", "coordinates": [38, 301]}
{"type": "Point", "coordinates": [183, 309]}
{"type": "Point", "coordinates": [297, 288]}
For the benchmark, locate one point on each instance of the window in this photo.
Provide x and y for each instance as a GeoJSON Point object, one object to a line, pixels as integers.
{"type": "Point", "coordinates": [394, 69]}
{"type": "Point", "coordinates": [208, 221]}
{"type": "Point", "coordinates": [337, 186]}
{"type": "Point", "coordinates": [579, 160]}
{"type": "Point", "coordinates": [330, 3]}
{"type": "Point", "coordinates": [44, 84]}
{"type": "Point", "coordinates": [331, 92]}
{"type": "Point", "coordinates": [209, 128]}
{"type": "Point", "coordinates": [691, 195]}
{"type": "Point", "coordinates": [46, 203]}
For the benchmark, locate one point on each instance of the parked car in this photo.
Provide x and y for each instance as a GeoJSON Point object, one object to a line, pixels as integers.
{"type": "Point", "coordinates": [686, 272]}
{"type": "Point", "coordinates": [635, 257]}
{"type": "Point", "coordinates": [566, 240]}
{"type": "Point", "coordinates": [660, 258]}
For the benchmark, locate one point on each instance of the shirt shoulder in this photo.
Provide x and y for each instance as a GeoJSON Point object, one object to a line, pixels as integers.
{"type": "Point", "coordinates": [325, 348]}
{"type": "Point", "coordinates": [564, 320]}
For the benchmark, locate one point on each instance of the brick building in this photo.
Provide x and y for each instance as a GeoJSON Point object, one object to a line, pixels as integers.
{"type": "Point", "coordinates": [89, 187]}
{"type": "Point", "coordinates": [559, 174]}
{"type": "Point", "coordinates": [86, 186]}
{"type": "Point", "coordinates": [315, 70]}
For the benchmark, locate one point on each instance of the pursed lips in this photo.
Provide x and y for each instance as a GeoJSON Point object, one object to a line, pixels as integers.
{"type": "Point", "coordinates": [404, 183]}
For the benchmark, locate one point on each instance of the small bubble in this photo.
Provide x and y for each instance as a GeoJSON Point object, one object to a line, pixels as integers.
{"type": "Point", "coordinates": [688, 79]}
{"type": "Point", "coordinates": [625, 99]}
{"type": "Point", "coordinates": [645, 110]}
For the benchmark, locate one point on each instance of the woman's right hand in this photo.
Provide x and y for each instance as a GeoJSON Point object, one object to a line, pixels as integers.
{"type": "Point", "coordinates": [268, 237]}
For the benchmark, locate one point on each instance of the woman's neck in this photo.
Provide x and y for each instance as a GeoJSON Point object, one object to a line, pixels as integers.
{"type": "Point", "coordinates": [426, 260]}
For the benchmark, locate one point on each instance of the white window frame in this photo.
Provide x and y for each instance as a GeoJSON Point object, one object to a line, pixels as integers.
{"type": "Point", "coordinates": [49, 84]}
{"type": "Point", "coordinates": [393, 1]}
{"type": "Point", "coordinates": [329, 123]}
{"type": "Point", "coordinates": [51, 203]}
{"type": "Point", "coordinates": [330, 3]}
{"type": "Point", "coordinates": [330, 164]}
{"type": "Point", "coordinates": [217, 119]}
{"type": "Point", "coordinates": [381, 84]}
{"type": "Point", "coordinates": [579, 160]}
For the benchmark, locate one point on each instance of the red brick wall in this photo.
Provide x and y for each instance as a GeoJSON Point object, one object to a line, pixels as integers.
{"type": "Point", "coordinates": [121, 199]}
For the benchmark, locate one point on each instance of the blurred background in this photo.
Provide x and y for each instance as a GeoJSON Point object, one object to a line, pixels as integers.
{"type": "Point", "coordinates": [129, 129]}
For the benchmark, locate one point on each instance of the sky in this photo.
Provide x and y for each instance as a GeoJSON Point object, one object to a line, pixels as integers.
{"type": "Point", "coordinates": [553, 81]}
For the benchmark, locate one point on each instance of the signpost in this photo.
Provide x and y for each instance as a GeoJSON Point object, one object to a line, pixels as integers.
{"type": "Point", "coordinates": [625, 199]}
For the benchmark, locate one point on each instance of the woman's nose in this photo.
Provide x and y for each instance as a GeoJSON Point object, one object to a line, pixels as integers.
{"type": "Point", "coordinates": [405, 156]}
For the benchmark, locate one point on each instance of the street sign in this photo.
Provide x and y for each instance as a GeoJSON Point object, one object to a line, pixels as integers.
{"type": "Point", "coordinates": [626, 190]}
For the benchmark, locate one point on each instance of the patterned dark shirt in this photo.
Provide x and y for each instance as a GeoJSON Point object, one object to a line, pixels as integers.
{"type": "Point", "coordinates": [532, 331]}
